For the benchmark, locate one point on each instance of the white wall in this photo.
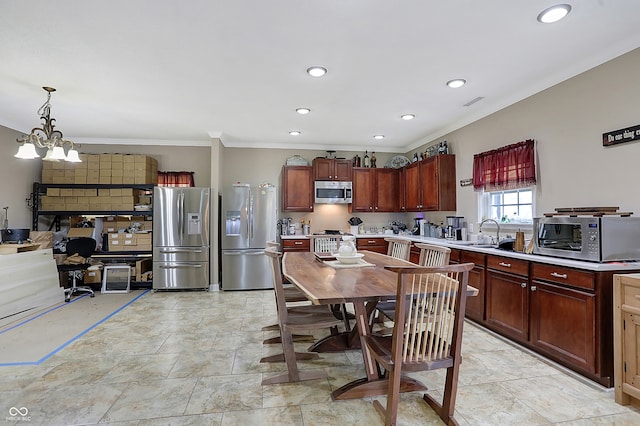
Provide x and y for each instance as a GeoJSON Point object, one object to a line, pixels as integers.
{"type": "Point", "coordinates": [16, 180]}
{"type": "Point", "coordinates": [567, 121]}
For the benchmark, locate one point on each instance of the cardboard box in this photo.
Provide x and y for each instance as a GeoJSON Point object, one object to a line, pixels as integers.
{"type": "Point", "coordinates": [93, 276]}
{"type": "Point", "coordinates": [80, 232]}
{"type": "Point", "coordinates": [143, 266]}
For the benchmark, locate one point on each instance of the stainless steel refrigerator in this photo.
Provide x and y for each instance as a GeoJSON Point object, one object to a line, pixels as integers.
{"type": "Point", "coordinates": [249, 219]}
{"type": "Point", "coordinates": [180, 238]}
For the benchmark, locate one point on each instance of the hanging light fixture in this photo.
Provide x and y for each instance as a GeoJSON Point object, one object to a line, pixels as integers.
{"type": "Point", "coordinates": [47, 137]}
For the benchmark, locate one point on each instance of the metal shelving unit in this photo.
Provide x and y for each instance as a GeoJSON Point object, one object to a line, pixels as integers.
{"type": "Point", "coordinates": [39, 189]}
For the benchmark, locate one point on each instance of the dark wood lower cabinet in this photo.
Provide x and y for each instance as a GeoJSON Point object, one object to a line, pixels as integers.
{"type": "Point", "coordinates": [563, 323]}
{"type": "Point", "coordinates": [508, 304]}
{"type": "Point", "coordinates": [475, 305]}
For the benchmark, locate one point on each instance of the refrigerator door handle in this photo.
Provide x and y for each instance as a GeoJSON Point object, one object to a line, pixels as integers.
{"type": "Point", "coordinates": [180, 215]}
{"type": "Point", "coordinates": [243, 253]}
{"type": "Point", "coordinates": [179, 266]}
{"type": "Point", "coordinates": [250, 216]}
{"type": "Point", "coordinates": [181, 251]}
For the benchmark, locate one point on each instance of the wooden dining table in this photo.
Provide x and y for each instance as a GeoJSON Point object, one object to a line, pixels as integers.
{"type": "Point", "coordinates": [362, 286]}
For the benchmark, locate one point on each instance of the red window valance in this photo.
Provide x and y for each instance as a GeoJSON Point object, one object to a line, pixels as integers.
{"type": "Point", "coordinates": [510, 167]}
{"type": "Point", "coordinates": [175, 179]}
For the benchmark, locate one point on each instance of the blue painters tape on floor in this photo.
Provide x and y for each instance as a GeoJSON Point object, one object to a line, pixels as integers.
{"type": "Point", "coordinates": [64, 345]}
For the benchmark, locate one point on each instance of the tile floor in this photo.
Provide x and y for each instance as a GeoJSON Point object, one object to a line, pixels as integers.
{"type": "Point", "coordinates": [191, 358]}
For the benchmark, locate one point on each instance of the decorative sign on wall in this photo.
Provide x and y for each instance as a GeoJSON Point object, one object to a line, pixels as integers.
{"type": "Point", "coordinates": [615, 137]}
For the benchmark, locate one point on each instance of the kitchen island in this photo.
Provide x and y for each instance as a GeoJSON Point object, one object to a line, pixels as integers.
{"type": "Point", "coordinates": [559, 308]}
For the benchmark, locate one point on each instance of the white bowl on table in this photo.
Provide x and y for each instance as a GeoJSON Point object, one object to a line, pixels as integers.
{"type": "Point", "coordinates": [349, 259]}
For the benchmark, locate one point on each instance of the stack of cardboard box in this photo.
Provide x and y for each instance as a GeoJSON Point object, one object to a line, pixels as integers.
{"type": "Point", "coordinates": [92, 200]}
{"type": "Point", "coordinates": [102, 169]}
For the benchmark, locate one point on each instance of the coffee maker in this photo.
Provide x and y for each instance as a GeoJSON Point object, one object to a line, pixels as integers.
{"type": "Point", "coordinates": [454, 230]}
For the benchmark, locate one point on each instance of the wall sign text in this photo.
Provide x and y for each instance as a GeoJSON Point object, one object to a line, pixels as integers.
{"type": "Point", "coordinates": [615, 137]}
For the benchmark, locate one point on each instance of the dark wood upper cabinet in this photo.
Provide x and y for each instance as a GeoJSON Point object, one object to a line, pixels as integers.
{"type": "Point", "coordinates": [331, 169]}
{"type": "Point", "coordinates": [375, 190]}
{"type": "Point", "coordinates": [297, 189]}
{"type": "Point", "coordinates": [430, 185]}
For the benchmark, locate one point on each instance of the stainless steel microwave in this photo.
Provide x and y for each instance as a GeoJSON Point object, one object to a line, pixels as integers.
{"type": "Point", "coordinates": [594, 239]}
{"type": "Point", "coordinates": [332, 192]}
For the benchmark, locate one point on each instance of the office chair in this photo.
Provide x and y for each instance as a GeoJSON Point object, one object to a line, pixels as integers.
{"type": "Point", "coordinates": [84, 247]}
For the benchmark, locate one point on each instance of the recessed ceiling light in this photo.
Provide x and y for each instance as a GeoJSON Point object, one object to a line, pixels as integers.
{"type": "Point", "coordinates": [378, 137]}
{"type": "Point", "coordinates": [316, 71]}
{"type": "Point", "coordinates": [294, 133]}
{"type": "Point", "coordinates": [408, 116]}
{"type": "Point", "coordinates": [303, 111]}
{"type": "Point", "coordinates": [554, 13]}
{"type": "Point", "coordinates": [458, 82]}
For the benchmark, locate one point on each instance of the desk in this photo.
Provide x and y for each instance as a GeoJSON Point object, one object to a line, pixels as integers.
{"type": "Point", "coordinates": [362, 286]}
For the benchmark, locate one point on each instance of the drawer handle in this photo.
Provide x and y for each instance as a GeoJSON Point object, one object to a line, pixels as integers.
{"type": "Point", "coordinates": [557, 275]}
{"type": "Point", "coordinates": [297, 243]}
{"type": "Point", "coordinates": [371, 242]}
{"type": "Point", "coordinates": [534, 288]}
{"type": "Point", "coordinates": [523, 285]}
{"type": "Point", "coordinates": [506, 265]}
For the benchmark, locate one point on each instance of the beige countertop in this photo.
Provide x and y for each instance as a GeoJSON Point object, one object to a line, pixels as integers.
{"type": "Point", "coordinates": [465, 245]}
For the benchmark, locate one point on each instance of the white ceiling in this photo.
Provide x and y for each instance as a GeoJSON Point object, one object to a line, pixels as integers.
{"type": "Point", "coordinates": [181, 72]}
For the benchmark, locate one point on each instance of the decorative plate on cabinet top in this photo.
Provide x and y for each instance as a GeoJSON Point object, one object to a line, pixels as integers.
{"type": "Point", "coordinates": [397, 162]}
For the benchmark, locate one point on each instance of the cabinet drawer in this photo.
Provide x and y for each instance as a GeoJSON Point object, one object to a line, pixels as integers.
{"type": "Point", "coordinates": [473, 257]}
{"type": "Point", "coordinates": [561, 275]}
{"type": "Point", "coordinates": [454, 257]}
{"type": "Point", "coordinates": [508, 264]}
{"type": "Point", "coordinates": [368, 242]}
{"type": "Point", "coordinates": [297, 244]}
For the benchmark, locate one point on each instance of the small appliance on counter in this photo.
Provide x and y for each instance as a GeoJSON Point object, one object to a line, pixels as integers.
{"type": "Point", "coordinates": [594, 239]}
{"type": "Point", "coordinates": [454, 230]}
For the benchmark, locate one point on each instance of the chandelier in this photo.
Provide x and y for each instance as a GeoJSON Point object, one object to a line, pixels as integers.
{"type": "Point", "coordinates": [47, 137]}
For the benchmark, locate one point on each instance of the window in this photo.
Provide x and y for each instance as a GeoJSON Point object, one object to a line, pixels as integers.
{"type": "Point", "coordinates": [510, 206]}
{"type": "Point", "coordinates": [175, 179]}
{"type": "Point", "coordinates": [506, 178]}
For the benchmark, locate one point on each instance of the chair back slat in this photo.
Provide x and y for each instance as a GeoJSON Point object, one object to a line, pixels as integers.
{"type": "Point", "coordinates": [398, 248]}
{"type": "Point", "coordinates": [432, 255]}
{"type": "Point", "coordinates": [325, 244]}
{"type": "Point", "coordinates": [429, 304]}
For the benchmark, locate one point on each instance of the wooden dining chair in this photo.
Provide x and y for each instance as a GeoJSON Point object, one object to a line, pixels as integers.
{"type": "Point", "coordinates": [430, 255]}
{"type": "Point", "coordinates": [330, 244]}
{"type": "Point", "coordinates": [427, 333]}
{"type": "Point", "coordinates": [398, 248]}
{"type": "Point", "coordinates": [292, 320]}
{"type": "Point", "coordinates": [292, 295]}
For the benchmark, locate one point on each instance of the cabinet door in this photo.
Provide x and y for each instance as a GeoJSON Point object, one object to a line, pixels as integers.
{"type": "Point", "coordinates": [323, 169]}
{"type": "Point", "coordinates": [563, 323]}
{"type": "Point", "coordinates": [297, 189]}
{"type": "Point", "coordinates": [385, 190]}
{"type": "Point", "coordinates": [402, 190]}
{"type": "Point", "coordinates": [412, 188]}
{"type": "Point", "coordinates": [438, 183]}
{"type": "Point", "coordinates": [342, 170]}
{"type": "Point", "coordinates": [362, 190]}
{"type": "Point", "coordinates": [429, 184]}
{"type": "Point", "coordinates": [475, 304]}
{"type": "Point", "coordinates": [508, 304]}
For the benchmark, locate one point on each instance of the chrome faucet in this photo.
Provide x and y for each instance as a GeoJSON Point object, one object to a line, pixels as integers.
{"type": "Point", "coordinates": [497, 232]}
